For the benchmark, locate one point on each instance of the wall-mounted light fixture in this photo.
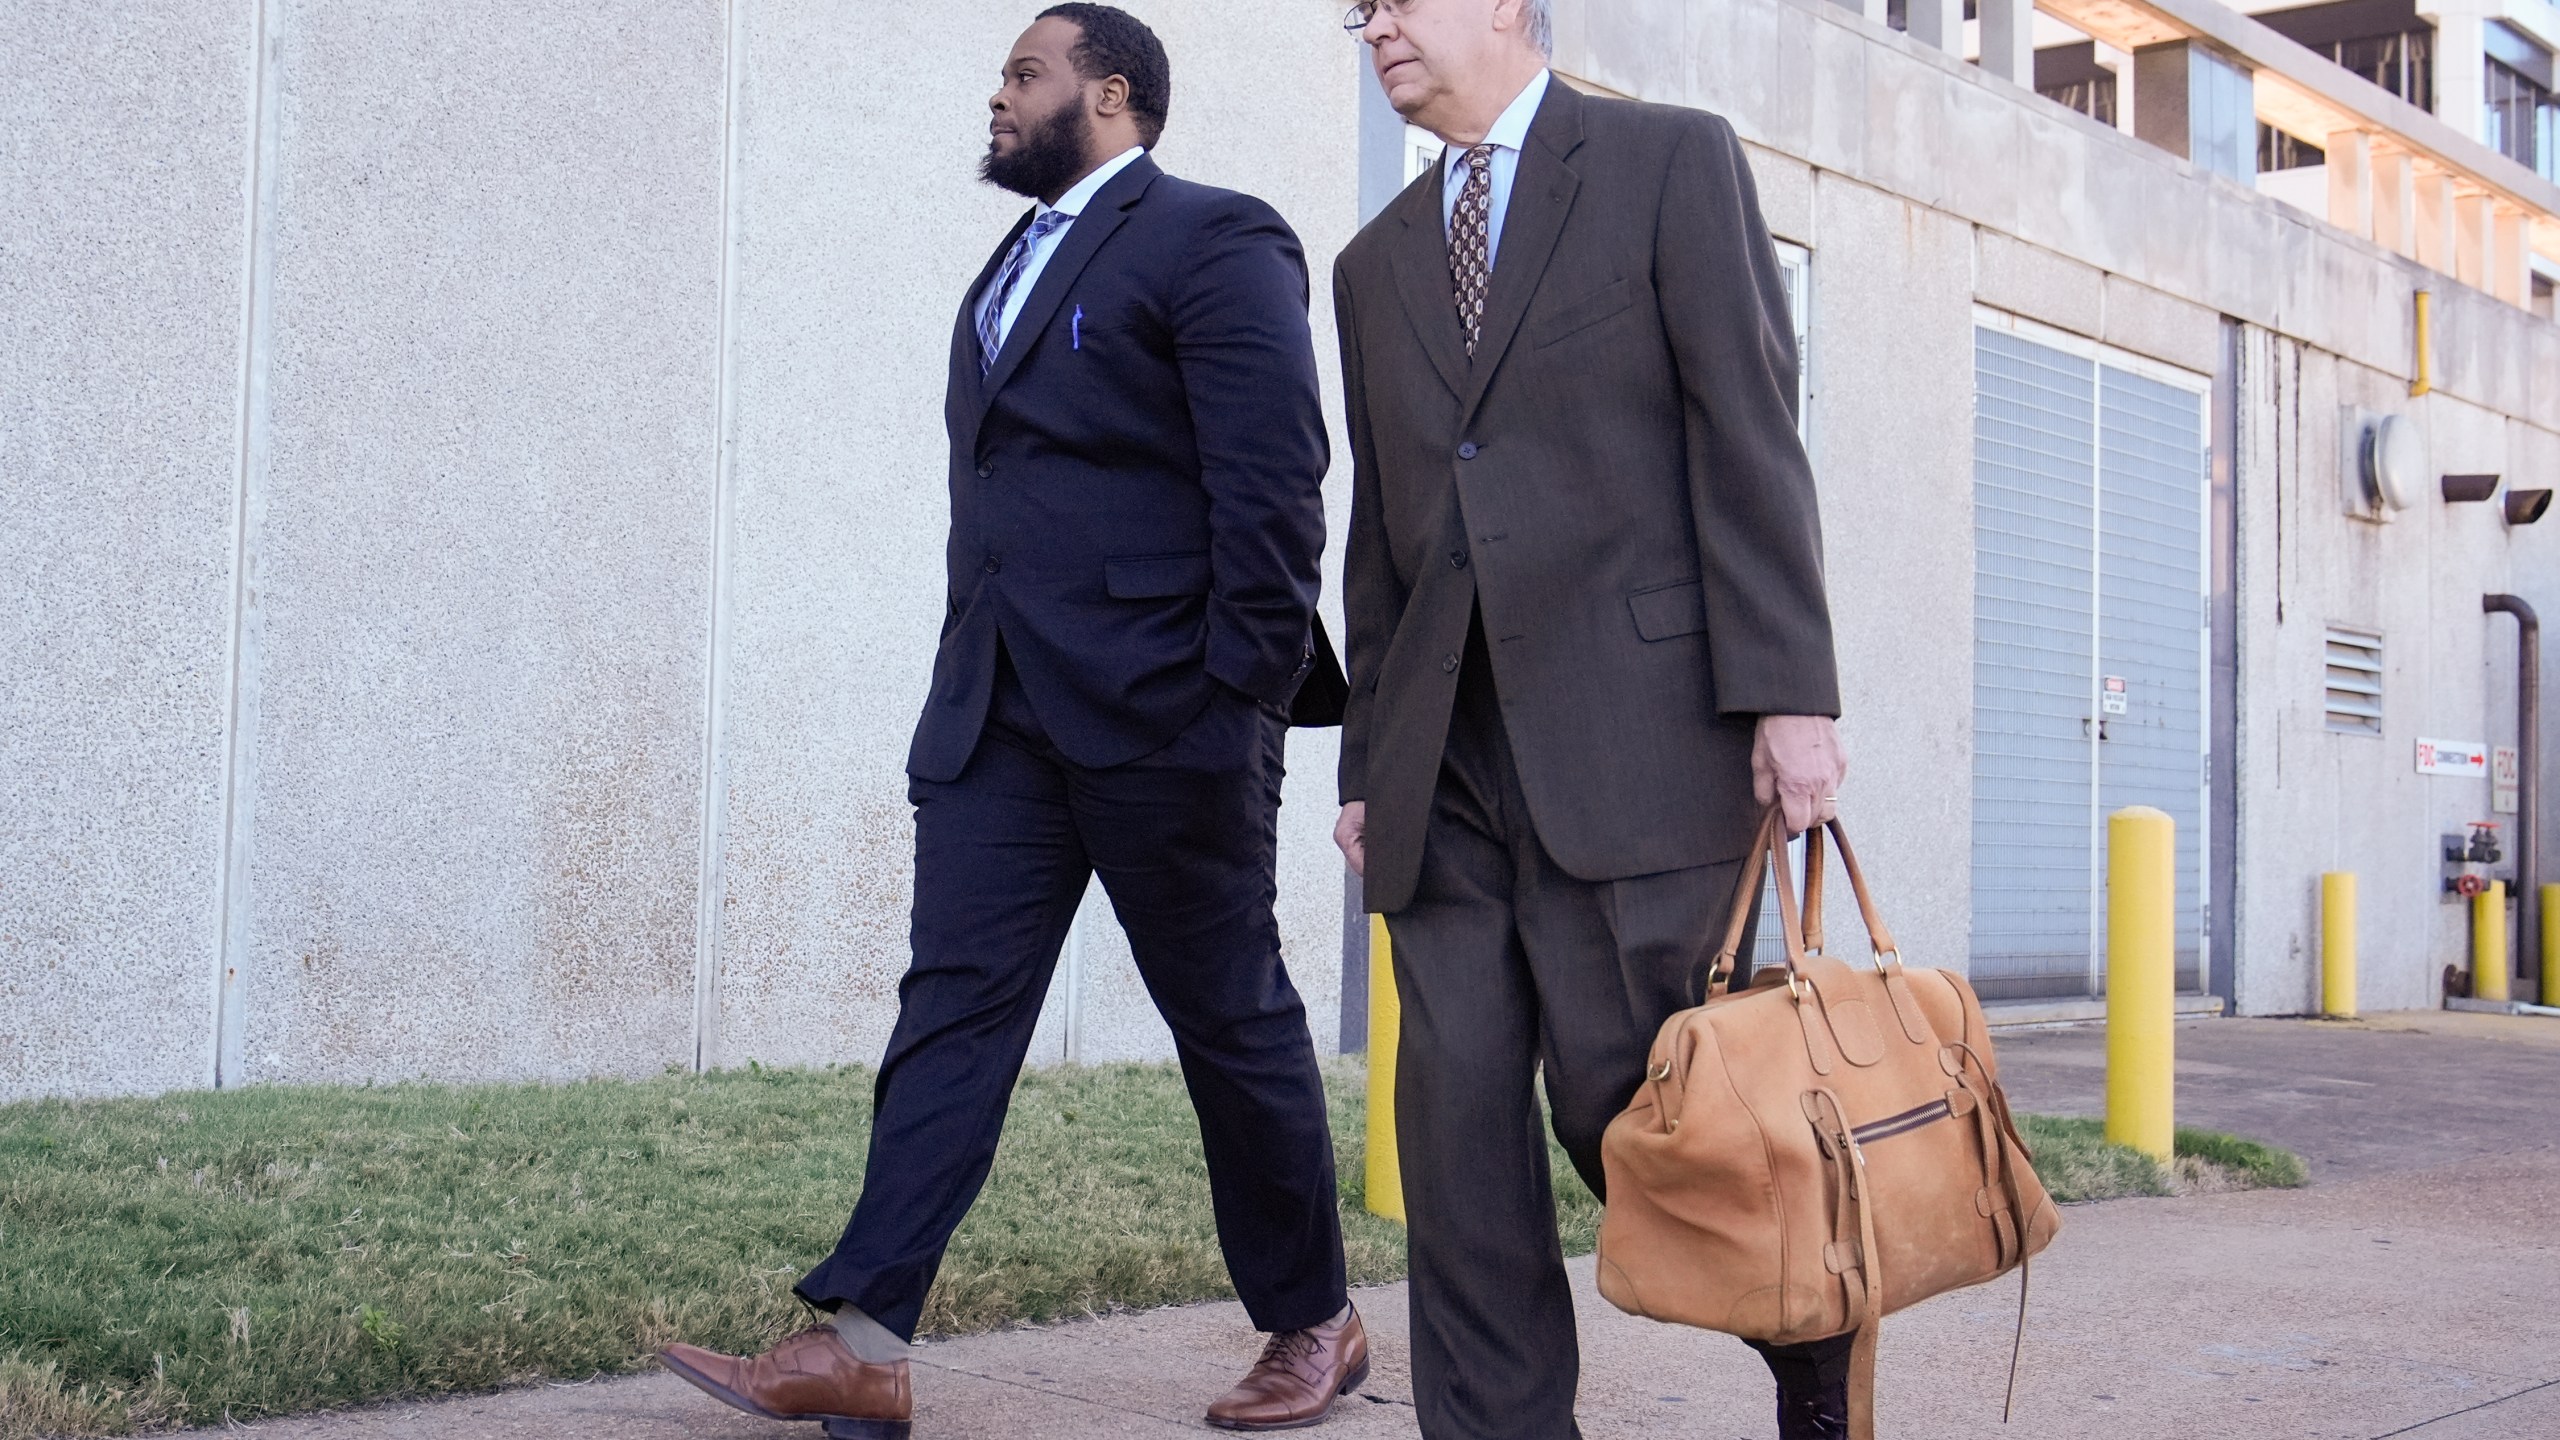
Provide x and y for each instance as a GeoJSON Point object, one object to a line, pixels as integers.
{"type": "Point", "coordinates": [2465, 489]}
{"type": "Point", "coordinates": [2387, 465]}
{"type": "Point", "coordinates": [2526, 506]}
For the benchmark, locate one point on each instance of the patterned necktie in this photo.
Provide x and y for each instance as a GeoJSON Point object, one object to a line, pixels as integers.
{"type": "Point", "coordinates": [1470, 249]}
{"type": "Point", "coordinates": [1000, 292]}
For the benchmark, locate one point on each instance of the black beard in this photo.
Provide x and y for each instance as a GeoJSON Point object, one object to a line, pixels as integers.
{"type": "Point", "coordinates": [1047, 157]}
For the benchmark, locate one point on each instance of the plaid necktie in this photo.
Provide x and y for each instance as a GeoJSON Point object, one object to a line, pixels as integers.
{"type": "Point", "coordinates": [1000, 292]}
{"type": "Point", "coordinates": [1470, 253]}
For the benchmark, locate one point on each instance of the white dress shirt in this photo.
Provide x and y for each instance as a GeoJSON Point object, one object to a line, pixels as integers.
{"type": "Point", "coordinates": [1508, 134]}
{"type": "Point", "coordinates": [1071, 205]}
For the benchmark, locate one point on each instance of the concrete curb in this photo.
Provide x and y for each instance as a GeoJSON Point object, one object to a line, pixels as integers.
{"type": "Point", "coordinates": [2011, 1014]}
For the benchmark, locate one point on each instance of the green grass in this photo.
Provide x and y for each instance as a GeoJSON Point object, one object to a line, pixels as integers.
{"type": "Point", "coordinates": [207, 1256]}
{"type": "Point", "coordinates": [2077, 1164]}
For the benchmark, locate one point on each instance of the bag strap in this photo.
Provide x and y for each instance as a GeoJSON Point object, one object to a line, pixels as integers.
{"type": "Point", "coordinates": [1771, 834]}
{"type": "Point", "coordinates": [1813, 891]}
{"type": "Point", "coordinates": [1999, 1133]}
{"type": "Point", "coordinates": [1862, 1350]}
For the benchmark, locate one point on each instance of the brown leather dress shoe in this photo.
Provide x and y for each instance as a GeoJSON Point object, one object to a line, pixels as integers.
{"type": "Point", "coordinates": [811, 1376]}
{"type": "Point", "coordinates": [1298, 1377]}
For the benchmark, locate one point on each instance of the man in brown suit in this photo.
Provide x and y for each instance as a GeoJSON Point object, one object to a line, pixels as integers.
{"type": "Point", "coordinates": [1588, 644]}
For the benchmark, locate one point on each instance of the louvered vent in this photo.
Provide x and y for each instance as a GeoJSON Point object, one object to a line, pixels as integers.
{"type": "Point", "coordinates": [2355, 682]}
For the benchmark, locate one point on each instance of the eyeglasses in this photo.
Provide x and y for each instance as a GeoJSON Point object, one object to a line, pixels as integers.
{"type": "Point", "coordinates": [1357, 18]}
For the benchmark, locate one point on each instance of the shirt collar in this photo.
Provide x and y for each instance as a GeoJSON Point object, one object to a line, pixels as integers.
{"type": "Point", "coordinates": [1511, 128]}
{"type": "Point", "coordinates": [1073, 202]}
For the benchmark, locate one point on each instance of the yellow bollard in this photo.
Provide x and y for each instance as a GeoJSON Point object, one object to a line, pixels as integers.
{"type": "Point", "coordinates": [2142, 847]}
{"type": "Point", "coordinates": [2338, 944]}
{"type": "Point", "coordinates": [2551, 945]}
{"type": "Point", "coordinates": [1385, 1182]}
{"type": "Point", "coordinates": [2489, 943]}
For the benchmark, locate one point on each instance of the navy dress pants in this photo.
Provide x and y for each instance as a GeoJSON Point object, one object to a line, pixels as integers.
{"type": "Point", "coordinates": [1183, 840]}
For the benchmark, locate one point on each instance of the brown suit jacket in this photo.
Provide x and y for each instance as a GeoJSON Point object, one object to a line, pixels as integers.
{"type": "Point", "coordinates": [1615, 480]}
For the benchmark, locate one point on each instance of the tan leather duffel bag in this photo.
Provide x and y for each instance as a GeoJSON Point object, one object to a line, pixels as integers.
{"type": "Point", "coordinates": [1826, 1147]}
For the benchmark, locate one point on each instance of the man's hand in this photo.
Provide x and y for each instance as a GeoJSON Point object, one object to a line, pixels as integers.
{"type": "Point", "coordinates": [1351, 832]}
{"type": "Point", "coordinates": [1796, 763]}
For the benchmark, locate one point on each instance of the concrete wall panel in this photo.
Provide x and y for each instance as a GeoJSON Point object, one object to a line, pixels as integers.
{"type": "Point", "coordinates": [2035, 282]}
{"type": "Point", "coordinates": [2149, 322]}
{"type": "Point", "coordinates": [120, 262]}
{"type": "Point", "coordinates": [1786, 194]}
{"type": "Point", "coordinates": [1843, 51]}
{"type": "Point", "coordinates": [1893, 445]}
{"type": "Point", "coordinates": [2314, 799]}
{"type": "Point", "coordinates": [483, 555]}
{"type": "Point", "coordinates": [1752, 64]}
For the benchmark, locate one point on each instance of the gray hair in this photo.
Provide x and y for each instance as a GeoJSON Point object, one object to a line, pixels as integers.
{"type": "Point", "coordinates": [1541, 18]}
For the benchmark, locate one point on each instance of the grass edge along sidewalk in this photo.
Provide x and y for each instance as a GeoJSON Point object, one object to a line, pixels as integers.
{"type": "Point", "coordinates": [198, 1257]}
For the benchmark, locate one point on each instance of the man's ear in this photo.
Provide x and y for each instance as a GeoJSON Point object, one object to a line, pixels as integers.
{"type": "Point", "coordinates": [1113, 97]}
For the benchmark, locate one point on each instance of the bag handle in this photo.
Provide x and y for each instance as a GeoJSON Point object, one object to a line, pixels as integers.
{"type": "Point", "coordinates": [1800, 925]}
{"type": "Point", "coordinates": [1771, 836]}
{"type": "Point", "coordinates": [1879, 939]}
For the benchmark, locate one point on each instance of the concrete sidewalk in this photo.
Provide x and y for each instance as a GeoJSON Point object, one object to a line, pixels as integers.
{"type": "Point", "coordinates": [2414, 1291]}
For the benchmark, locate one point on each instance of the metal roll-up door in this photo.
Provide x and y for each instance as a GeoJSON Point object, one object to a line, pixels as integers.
{"type": "Point", "coordinates": [2089, 652]}
{"type": "Point", "coordinates": [2151, 650]}
{"type": "Point", "coordinates": [2034, 523]}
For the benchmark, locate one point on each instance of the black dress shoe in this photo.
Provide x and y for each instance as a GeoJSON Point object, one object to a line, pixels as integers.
{"type": "Point", "coordinates": [1813, 1387]}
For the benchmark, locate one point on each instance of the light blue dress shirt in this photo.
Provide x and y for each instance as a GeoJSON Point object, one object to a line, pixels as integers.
{"type": "Point", "coordinates": [1509, 133]}
{"type": "Point", "coordinates": [1070, 204]}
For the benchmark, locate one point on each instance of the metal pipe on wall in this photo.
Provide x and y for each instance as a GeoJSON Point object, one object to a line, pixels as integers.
{"type": "Point", "coordinates": [2529, 770]}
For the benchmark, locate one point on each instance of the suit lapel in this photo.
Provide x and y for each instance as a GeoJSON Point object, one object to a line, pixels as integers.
{"type": "Point", "coordinates": [1542, 192]}
{"type": "Point", "coordinates": [1424, 282]}
{"type": "Point", "coordinates": [1109, 209]}
{"type": "Point", "coordinates": [967, 387]}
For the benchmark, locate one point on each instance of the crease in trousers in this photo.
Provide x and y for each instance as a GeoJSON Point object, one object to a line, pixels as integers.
{"type": "Point", "coordinates": [1511, 971]}
{"type": "Point", "coordinates": [1183, 841]}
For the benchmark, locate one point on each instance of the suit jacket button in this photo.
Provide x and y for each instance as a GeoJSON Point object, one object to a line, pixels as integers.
{"type": "Point", "coordinates": [1467, 451]}
{"type": "Point", "coordinates": [985, 471]}
{"type": "Point", "coordinates": [994, 565]}
{"type": "Point", "coordinates": [1457, 559]}
{"type": "Point", "coordinates": [1448, 663]}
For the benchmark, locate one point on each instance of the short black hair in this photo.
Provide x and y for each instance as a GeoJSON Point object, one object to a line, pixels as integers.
{"type": "Point", "coordinates": [1118, 43]}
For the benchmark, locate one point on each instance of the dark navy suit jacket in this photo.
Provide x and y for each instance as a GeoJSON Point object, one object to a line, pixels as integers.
{"type": "Point", "coordinates": [1135, 511]}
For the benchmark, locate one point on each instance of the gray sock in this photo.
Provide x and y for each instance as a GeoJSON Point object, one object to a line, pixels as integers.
{"type": "Point", "coordinates": [871, 1342]}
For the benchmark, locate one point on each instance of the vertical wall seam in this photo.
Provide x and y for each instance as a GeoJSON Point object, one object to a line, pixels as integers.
{"type": "Point", "coordinates": [711, 886]}
{"type": "Point", "coordinates": [240, 683]}
{"type": "Point", "coordinates": [2098, 956]}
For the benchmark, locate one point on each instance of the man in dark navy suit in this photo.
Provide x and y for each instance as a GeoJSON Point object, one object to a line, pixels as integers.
{"type": "Point", "coordinates": [1136, 449]}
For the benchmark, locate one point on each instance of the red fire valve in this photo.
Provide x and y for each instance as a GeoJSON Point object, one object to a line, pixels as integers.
{"type": "Point", "coordinates": [2467, 886]}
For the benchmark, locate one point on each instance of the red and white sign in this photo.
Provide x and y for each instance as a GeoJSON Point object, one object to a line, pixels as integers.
{"type": "Point", "coordinates": [2506, 768]}
{"type": "Point", "coordinates": [2452, 757]}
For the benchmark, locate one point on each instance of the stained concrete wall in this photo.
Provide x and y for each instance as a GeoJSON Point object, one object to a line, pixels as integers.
{"type": "Point", "coordinates": [2314, 799]}
{"type": "Point", "coordinates": [121, 219]}
{"type": "Point", "coordinates": [2076, 226]}
{"type": "Point", "coordinates": [479, 558]}
{"type": "Point", "coordinates": [532, 674]}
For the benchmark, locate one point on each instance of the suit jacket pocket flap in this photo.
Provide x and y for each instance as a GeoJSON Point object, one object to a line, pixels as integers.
{"type": "Point", "coordinates": [1142, 577]}
{"type": "Point", "coordinates": [1584, 313]}
{"type": "Point", "coordinates": [1668, 610]}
